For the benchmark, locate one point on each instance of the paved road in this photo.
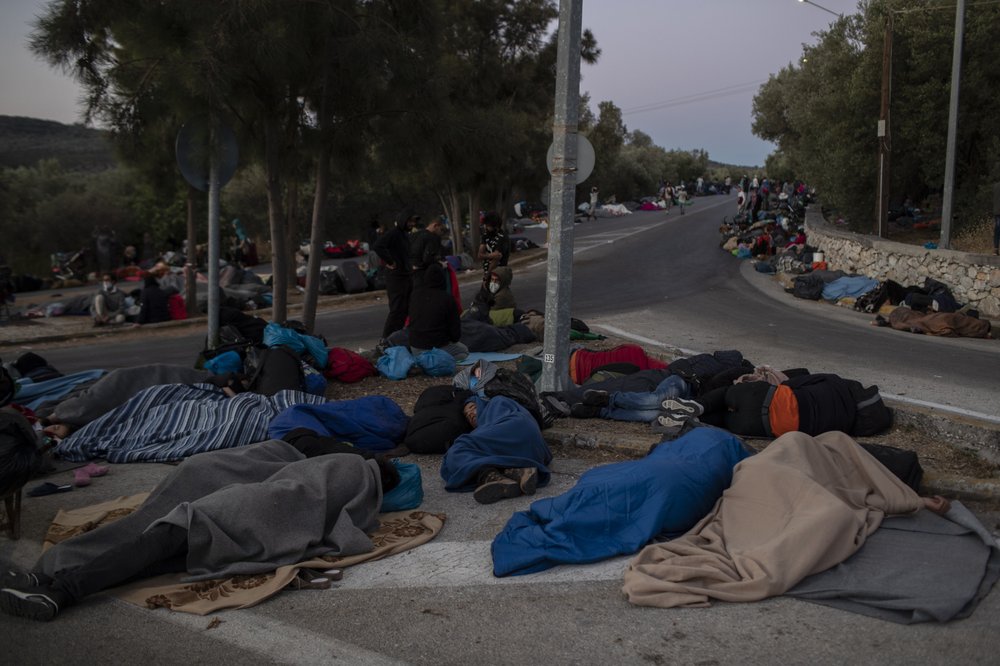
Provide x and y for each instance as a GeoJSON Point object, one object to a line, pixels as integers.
{"type": "Point", "coordinates": [663, 279]}
{"type": "Point", "coordinates": [439, 604]}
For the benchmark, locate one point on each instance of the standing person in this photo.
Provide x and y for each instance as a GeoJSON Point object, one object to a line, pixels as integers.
{"type": "Point", "coordinates": [425, 248]}
{"type": "Point", "coordinates": [996, 218]}
{"type": "Point", "coordinates": [393, 247]}
{"type": "Point", "coordinates": [109, 303]}
{"type": "Point", "coordinates": [493, 244]}
{"type": "Point", "coordinates": [594, 196]}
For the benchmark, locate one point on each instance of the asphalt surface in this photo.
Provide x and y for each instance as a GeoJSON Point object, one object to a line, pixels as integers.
{"type": "Point", "coordinates": [647, 275]}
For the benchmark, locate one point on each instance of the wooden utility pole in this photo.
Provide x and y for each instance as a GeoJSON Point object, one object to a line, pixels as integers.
{"type": "Point", "coordinates": [884, 142]}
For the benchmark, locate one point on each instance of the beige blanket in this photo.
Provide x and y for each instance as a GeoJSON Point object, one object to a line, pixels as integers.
{"type": "Point", "coordinates": [397, 532]}
{"type": "Point", "coordinates": [799, 507]}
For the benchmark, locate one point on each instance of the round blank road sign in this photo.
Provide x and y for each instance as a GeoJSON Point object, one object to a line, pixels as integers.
{"type": "Point", "coordinates": [585, 158]}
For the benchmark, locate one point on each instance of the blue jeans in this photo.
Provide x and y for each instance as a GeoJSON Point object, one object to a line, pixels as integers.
{"type": "Point", "coordinates": [644, 406]}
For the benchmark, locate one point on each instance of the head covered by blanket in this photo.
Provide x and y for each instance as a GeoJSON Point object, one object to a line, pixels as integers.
{"type": "Point", "coordinates": [506, 436]}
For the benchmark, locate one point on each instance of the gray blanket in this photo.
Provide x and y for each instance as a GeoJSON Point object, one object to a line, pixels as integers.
{"type": "Point", "coordinates": [116, 387]}
{"type": "Point", "coordinates": [249, 510]}
{"type": "Point", "coordinates": [914, 568]}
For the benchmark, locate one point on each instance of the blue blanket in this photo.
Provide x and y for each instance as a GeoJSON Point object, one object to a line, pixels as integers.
{"type": "Point", "coordinates": [173, 421]}
{"type": "Point", "coordinates": [33, 394]}
{"type": "Point", "coordinates": [616, 509]}
{"type": "Point", "coordinates": [374, 422]}
{"type": "Point", "coordinates": [506, 436]}
{"type": "Point", "coordinates": [851, 286]}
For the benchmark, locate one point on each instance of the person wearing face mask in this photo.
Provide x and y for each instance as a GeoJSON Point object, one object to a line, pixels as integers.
{"type": "Point", "coordinates": [109, 303]}
{"type": "Point", "coordinates": [501, 298]}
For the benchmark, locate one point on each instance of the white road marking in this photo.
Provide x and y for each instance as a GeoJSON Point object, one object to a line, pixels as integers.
{"type": "Point", "coordinates": [464, 563]}
{"type": "Point", "coordinates": [279, 642]}
{"type": "Point", "coordinates": [913, 401]}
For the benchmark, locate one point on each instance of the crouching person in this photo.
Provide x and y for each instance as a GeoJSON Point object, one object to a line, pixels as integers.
{"type": "Point", "coordinates": [108, 305]}
{"type": "Point", "coordinates": [434, 318]}
{"type": "Point", "coordinates": [504, 456]}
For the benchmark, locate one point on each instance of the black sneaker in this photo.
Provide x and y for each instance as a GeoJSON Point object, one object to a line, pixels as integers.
{"type": "Point", "coordinates": [668, 421]}
{"type": "Point", "coordinates": [596, 397]}
{"type": "Point", "coordinates": [33, 603]}
{"type": "Point", "coordinates": [582, 411]}
{"type": "Point", "coordinates": [495, 487]}
{"type": "Point", "coordinates": [22, 579]}
{"type": "Point", "coordinates": [680, 407]}
{"type": "Point", "coordinates": [556, 407]}
{"type": "Point", "coordinates": [526, 477]}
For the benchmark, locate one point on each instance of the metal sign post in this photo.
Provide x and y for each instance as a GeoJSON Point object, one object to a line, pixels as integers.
{"type": "Point", "coordinates": [559, 281]}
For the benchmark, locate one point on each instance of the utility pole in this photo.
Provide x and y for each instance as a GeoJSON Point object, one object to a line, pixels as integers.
{"type": "Point", "coordinates": [559, 280]}
{"type": "Point", "coordinates": [884, 141]}
{"type": "Point", "coordinates": [949, 167]}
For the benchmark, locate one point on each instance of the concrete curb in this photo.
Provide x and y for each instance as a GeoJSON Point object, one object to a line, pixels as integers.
{"type": "Point", "coordinates": [523, 257]}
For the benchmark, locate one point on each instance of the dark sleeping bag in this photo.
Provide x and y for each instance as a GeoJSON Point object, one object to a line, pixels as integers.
{"type": "Point", "coordinates": [437, 420]}
{"type": "Point", "coordinates": [479, 336]}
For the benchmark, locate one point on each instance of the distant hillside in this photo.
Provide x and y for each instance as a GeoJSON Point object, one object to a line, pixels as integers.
{"type": "Point", "coordinates": [734, 168]}
{"type": "Point", "coordinates": [25, 141]}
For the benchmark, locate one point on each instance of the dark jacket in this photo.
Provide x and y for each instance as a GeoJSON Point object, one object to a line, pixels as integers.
{"type": "Point", "coordinates": [825, 403]}
{"type": "Point", "coordinates": [154, 305]}
{"type": "Point", "coordinates": [393, 247]}
{"type": "Point", "coordinates": [434, 320]}
{"type": "Point", "coordinates": [425, 249]}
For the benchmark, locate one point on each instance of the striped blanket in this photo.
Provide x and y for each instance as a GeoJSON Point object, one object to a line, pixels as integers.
{"type": "Point", "coordinates": [170, 422]}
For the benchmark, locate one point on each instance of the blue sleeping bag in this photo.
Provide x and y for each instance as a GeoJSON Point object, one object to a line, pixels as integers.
{"type": "Point", "coordinates": [374, 422]}
{"type": "Point", "coordinates": [506, 436]}
{"type": "Point", "coordinates": [616, 509]}
{"type": "Point", "coordinates": [852, 286]}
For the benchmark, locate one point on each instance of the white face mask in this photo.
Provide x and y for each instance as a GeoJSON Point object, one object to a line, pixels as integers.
{"type": "Point", "coordinates": [108, 286]}
{"type": "Point", "coordinates": [494, 287]}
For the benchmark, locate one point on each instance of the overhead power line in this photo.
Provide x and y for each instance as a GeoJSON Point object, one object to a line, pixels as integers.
{"type": "Point", "coordinates": [695, 97]}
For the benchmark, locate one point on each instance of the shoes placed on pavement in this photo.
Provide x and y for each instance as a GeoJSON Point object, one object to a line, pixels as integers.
{"type": "Point", "coordinates": [494, 487]}
{"type": "Point", "coordinates": [596, 397]}
{"type": "Point", "coordinates": [526, 477]}
{"type": "Point", "coordinates": [556, 407]}
{"type": "Point", "coordinates": [582, 411]}
{"type": "Point", "coordinates": [34, 603]}
{"type": "Point", "coordinates": [678, 408]}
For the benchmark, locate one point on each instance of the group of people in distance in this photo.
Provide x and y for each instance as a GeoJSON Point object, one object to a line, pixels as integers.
{"type": "Point", "coordinates": [111, 305]}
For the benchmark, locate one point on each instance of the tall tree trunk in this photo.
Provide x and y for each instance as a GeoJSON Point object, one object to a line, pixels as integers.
{"type": "Point", "coordinates": [454, 214]}
{"type": "Point", "coordinates": [474, 235]}
{"type": "Point", "coordinates": [316, 237]}
{"type": "Point", "coordinates": [275, 215]}
{"type": "Point", "coordinates": [292, 230]}
{"type": "Point", "coordinates": [191, 259]}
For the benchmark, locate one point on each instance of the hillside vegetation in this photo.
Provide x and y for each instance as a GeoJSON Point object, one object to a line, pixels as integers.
{"type": "Point", "coordinates": [26, 141]}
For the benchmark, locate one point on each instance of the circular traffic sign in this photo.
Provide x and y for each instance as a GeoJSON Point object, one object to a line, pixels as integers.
{"type": "Point", "coordinates": [585, 158]}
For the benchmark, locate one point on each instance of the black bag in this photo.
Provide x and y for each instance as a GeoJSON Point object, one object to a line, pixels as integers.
{"type": "Point", "coordinates": [520, 389]}
{"type": "Point", "coordinates": [903, 464]}
{"type": "Point", "coordinates": [328, 283]}
{"type": "Point", "coordinates": [20, 456]}
{"type": "Point", "coordinates": [808, 286]}
{"type": "Point", "coordinates": [873, 300]}
{"type": "Point", "coordinates": [872, 415]}
{"type": "Point", "coordinates": [351, 279]}
{"type": "Point", "coordinates": [276, 369]}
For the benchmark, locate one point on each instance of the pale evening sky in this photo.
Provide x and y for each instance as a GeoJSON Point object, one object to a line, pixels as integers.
{"type": "Point", "coordinates": [684, 72]}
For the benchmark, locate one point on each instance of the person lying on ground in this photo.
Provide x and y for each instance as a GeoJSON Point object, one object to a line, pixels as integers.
{"type": "Point", "coordinates": [640, 406]}
{"type": "Point", "coordinates": [434, 319]}
{"type": "Point", "coordinates": [504, 456]}
{"type": "Point", "coordinates": [108, 305]}
{"type": "Point", "coordinates": [809, 403]}
{"type": "Point", "coordinates": [945, 324]}
{"type": "Point", "coordinates": [199, 519]}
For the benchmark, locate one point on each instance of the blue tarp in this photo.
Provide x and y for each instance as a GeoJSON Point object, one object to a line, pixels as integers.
{"type": "Point", "coordinates": [616, 509]}
{"type": "Point", "coordinates": [506, 436]}
{"type": "Point", "coordinates": [374, 422]}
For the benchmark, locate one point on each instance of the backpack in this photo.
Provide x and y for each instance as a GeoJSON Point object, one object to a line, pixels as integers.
{"type": "Point", "coordinates": [347, 366]}
{"type": "Point", "coordinates": [872, 416]}
{"type": "Point", "coordinates": [277, 369]}
{"type": "Point", "coordinates": [873, 300]}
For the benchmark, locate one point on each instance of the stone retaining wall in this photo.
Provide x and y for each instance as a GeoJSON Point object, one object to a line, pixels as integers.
{"type": "Point", "coordinates": [972, 278]}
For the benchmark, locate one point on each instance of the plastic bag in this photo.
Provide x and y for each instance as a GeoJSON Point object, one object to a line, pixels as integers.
{"type": "Point", "coordinates": [409, 493]}
{"type": "Point", "coordinates": [276, 335]}
{"type": "Point", "coordinates": [229, 361]}
{"type": "Point", "coordinates": [436, 363]}
{"type": "Point", "coordinates": [395, 363]}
